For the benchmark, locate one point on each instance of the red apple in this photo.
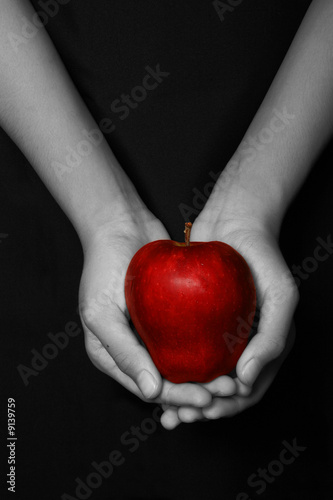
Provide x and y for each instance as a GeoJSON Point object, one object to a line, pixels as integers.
{"type": "Point", "coordinates": [189, 302]}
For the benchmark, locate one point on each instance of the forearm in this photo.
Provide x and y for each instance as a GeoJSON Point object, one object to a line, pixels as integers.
{"type": "Point", "coordinates": [42, 112]}
{"type": "Point", "coordinates": [291, 127]}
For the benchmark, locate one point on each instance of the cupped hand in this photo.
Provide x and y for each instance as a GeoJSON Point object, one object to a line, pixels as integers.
{"type": "Point", "coordinates": [277, 298]}
{"type": "Point", "coordinates": [111, 344]}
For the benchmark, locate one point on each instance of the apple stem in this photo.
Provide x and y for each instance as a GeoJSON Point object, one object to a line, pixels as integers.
{"type": "Point", "coordinates": [188, 226]}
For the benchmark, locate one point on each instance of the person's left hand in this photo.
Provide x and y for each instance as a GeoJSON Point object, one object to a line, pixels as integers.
{"type": "Point", "coordinates": [277, 298]}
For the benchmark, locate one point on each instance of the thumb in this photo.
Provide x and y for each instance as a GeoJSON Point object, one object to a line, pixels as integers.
{"type": "Point", "coordinates": [270, 341]}
{"type": "Point", "coordinates": [128, 359]}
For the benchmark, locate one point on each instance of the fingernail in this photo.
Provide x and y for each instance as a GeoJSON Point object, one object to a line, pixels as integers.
{"type": "Point", "coordinates": [250, 372]}
{"type": "Point", "coordinates": [147, 383]}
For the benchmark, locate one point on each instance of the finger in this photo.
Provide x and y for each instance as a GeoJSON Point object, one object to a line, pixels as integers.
{"type": "Point", "coordinates": [242, 389]}
{"type": "Point", "coordinates": [184, 394]}
{"type": "Point", "coordinates": [102, 360]}
{"type": "Point", "coordinates": [187, 394]}
{"type": "Point", "coordinates": [270, 341]}
{"type": "Point", "coordinates": [189, 414]}
{"type": "Point", "coordinates": [170, 419]}
{"type": "Point", "coordinates": [111, 328]}
{"type": "Point", "coordinates": [172, 394]}
{"type": "Point", "coordinates": [221, 386]}
{"type": "Point", "coordinates": [228, 407]}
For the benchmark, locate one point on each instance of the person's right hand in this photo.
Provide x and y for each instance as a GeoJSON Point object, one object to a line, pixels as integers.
{"type": "Point", "coordinates": [111, 344]}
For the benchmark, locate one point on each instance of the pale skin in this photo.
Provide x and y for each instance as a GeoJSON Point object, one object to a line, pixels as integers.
{"type": "Point", "coordinates": [43, 113]}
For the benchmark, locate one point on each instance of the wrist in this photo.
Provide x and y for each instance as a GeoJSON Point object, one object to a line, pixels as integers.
{"type": "Point", "coordinates": [244, 193]}
{"type": "Point", "coordinates": [101, 196]}
{"type": "Point", "coordinates": [122, 216]}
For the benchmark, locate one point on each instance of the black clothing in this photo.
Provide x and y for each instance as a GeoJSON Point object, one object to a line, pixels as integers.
{"type": "Point", "coordinates": [212, 74]}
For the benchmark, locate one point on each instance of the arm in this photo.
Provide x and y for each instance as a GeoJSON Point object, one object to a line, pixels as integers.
{"type": "Point", "coordinates": [41, 110]}
{"type": "Point", "coordinates": [251, 196]}
{"type": "Point", "coordinates": [43, 113]}
{"type": "Point", "coordinates": [291, 127]}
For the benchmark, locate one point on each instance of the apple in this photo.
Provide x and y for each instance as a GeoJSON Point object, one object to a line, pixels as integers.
{"type": "Point", "coordinates": [189, 302]}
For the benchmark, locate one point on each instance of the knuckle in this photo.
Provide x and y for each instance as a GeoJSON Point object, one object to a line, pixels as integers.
{"type": "Point", "coordinates": [89, 315]}
{"type": "Point", "coordinates": [167, 399]}
{"type": "Point", "coordinates": [171, 395]}
{"type": "Point", "coordinates": [290, 289]}
{"type": "Point", "coordinates": [276, 346]}
{"type": "Point", "coordinates": [93, 348]}
{"type": "Point", "coordinates": [124, 361]}
{"type": "Point", "coordinates": [294, 294]}
{"type": "Point", "coordinates": [284, 290]}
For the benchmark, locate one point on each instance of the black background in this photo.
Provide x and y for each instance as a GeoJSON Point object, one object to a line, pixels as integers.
{"type": "Point", "coordinates": [70, 414]}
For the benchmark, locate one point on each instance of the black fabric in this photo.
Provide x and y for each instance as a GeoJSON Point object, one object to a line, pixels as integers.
{"type": "Point", "coordinates": [70, 415]}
